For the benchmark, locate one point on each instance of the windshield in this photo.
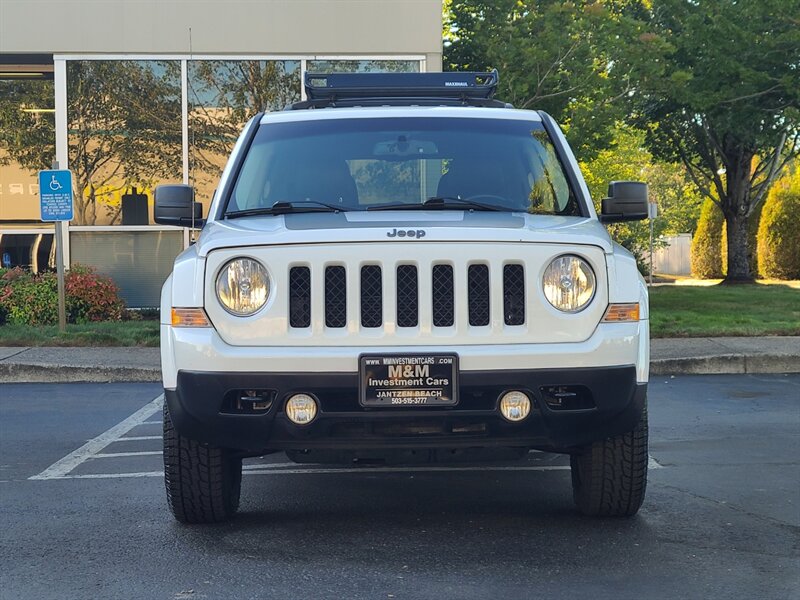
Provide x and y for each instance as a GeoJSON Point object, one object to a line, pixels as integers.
{"type": "Point", "coordinates": [369, 164]}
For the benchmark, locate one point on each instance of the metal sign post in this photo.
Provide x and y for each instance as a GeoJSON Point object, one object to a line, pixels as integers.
{"type": "Point", "coordinates": [652, 213]}
{"type": "Point", "coordinates": [55, 199]}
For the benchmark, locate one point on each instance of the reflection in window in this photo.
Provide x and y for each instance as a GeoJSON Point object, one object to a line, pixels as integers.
{"type": "Point", "coordinates": [27, 144]}
{"type": "Point", "coordinates": [35, 252]}
{"type": "Point", "coordinates": [124, 134]}
{"type": "Point", "coordinates": [223, 95]}
{"type": "Point", "coordinates": [362, 66]}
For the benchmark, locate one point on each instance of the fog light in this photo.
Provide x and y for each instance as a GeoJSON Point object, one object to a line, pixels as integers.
{"type": "Point", "coordinates": [515, 406]}
{"type": "Point", "coordinates": [301, 409]}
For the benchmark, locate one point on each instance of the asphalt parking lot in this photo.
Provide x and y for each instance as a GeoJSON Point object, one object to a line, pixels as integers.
{"type": "Point", "coordinates": [83, 514]}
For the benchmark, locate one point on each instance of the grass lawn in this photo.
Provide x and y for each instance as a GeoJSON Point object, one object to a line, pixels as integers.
{"type": "Point", "coordinates": [736, 310]}
{"type": "Point", "coordinates": [109, 333]}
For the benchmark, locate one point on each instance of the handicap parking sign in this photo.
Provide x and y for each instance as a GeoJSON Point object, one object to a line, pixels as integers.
{"type": "Point", "coordinates": [55, 195]}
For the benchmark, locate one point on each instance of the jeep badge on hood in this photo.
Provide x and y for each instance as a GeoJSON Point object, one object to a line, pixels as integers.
{"type": "Point", "coordinates": [410, 233]}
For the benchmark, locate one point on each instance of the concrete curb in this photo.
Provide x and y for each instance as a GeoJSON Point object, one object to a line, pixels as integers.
{"type": "Point", "coordinates": [725, 364]}
{"type": "Point", "coordinates": [38, 373]}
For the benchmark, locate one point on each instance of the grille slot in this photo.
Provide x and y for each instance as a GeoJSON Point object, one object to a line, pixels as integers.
{"type": "Point", "coordinates": [300, 297]}
{"type": "Point", "coordinates": [514, 294]}
{"type": "Point", "coordinates": [335, 297]}
{"type": "Point", "coordinates": [443, 304]}
{"type": "Point", "coordinates": [478, 295]}
{"type": "Point", "coordinates": [371, 296]}
{"type": "Point", "coordinates": [407, 296]}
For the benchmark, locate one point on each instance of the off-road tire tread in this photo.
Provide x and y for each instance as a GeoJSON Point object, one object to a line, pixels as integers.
{"type": "Point", "coordinates": [609, 478]}
{"type": "Point", "coordinates": [203, 482]}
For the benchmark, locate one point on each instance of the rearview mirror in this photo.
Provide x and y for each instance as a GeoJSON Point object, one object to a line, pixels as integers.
{"type": "Point", "coordinates": [405, 147]}
{"type": "Point", "coordinates": [627, 201]}
{"type": "Point", "coordinates": [174, 205]}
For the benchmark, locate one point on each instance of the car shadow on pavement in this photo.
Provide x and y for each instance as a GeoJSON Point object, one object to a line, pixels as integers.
{"type": "Point", "coordinates": [383, 516]}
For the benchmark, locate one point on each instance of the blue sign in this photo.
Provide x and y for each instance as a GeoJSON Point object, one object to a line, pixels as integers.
{"type": "Point", "coordinates": [55, 195]}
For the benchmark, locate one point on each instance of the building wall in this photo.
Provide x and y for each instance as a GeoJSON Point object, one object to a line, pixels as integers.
{"type": "Point", "coordinates": [224, 27]}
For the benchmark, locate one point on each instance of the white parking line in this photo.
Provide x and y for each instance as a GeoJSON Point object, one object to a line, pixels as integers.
{"type": "Point", "coordinates": [293, 469]}
{"type": "Point", "coordinates": [278, 470]}
{"type": "Point", "coordinates": [138, 438]}
{"type": "Point", "coordinates": [110, 475]}
{"type": "Point", "coordinates": [123, 454]}
{"type": "Point", "coordinates": [67, 464]}
{"type": "Point", "coordinates": [319, 471]}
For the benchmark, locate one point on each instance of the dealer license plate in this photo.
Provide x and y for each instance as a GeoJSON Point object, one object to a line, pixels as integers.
{"type": "Point", "coordinates": [409, 380]}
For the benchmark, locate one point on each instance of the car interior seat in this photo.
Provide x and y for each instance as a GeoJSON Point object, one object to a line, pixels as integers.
{"type": "Point", "coordinates": [326, 180]}
{"type": "Point", "coordinates": [473, 177]}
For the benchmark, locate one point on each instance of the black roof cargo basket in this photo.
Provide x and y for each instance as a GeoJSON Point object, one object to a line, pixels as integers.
{"type": "Point", "coordinates": [399, 89]}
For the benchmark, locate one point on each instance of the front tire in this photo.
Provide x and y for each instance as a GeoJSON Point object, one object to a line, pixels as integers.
{"type": "Point", "coordinates": [609, 477]}
{"type": "Point", "coordinates": [203, 482]}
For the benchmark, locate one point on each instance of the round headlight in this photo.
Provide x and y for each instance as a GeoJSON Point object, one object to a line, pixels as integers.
{"type": "Point", "coordinates": [569, 283]}
{"type": "Point", "coordinates": [243, 286]}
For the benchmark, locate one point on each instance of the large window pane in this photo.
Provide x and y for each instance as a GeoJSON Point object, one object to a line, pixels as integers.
{"type": "Point", "coordinates": [223, 95]}
{"type": "Point", "coordinates": [124, 133]}
{"type": "Point", "coordinates": [137, 261]}
{"type": "Point", "coordinates": [27, 144]}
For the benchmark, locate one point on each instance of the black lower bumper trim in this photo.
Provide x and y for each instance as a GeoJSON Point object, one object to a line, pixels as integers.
{"type": "Point", "coordinates": [198, 409]}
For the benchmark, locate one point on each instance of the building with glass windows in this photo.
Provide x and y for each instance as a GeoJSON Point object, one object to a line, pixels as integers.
{"type": "Point", "coordinates": [132, 93]}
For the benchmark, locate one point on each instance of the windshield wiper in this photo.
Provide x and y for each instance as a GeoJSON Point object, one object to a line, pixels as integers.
{"type": "Point", "coordinates": [283, 208]}
{"type": "Point", "coordinates": [440, 203]}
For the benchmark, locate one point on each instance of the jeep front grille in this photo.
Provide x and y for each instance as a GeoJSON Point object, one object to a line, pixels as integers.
{"type": "Point", "coordinates": [407, 296]}
{"type": "Point", "coordinates": [514, 294]}
{"type": "Point", "coordinates": [443, 300]}
{"type": "Point", "coordinates": [371, 296]}
{"type": "Point", "coordinates": [404, 288]}
{"type": "Point", "coordinates": [335, 297]}
{"type": "Point", "coordinates": [478, 291]}
{"type": "Point", "coordinates": [300, 297]}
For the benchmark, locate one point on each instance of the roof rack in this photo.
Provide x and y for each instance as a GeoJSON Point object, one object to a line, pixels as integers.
{"type": "Point", "coordinates": [326, 90]}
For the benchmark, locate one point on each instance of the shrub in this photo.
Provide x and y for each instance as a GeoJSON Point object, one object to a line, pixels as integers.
{"type": "Point", "coordinates": [779, 233]}
{"type": "Point", "coordinates": [27, 299]}
{"type": "Point", "coordinates": [91, 296]}
{"type": "Point", "coordinates": [707, 243]}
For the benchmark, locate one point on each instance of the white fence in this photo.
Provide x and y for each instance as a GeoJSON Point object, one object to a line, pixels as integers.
{"type": "Point", "coordinates": [675, 257]}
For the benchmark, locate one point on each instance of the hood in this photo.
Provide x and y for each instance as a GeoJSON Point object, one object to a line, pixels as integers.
{"type": "Point", "coordinates": [413, 227]}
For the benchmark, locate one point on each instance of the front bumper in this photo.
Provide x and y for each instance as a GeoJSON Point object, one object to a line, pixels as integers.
{"type": "Point", "coordinates": [200, 407]}
{"type": "Point", "coordinates": [202, 350]}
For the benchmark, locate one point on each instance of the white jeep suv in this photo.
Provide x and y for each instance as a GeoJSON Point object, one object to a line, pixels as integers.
{"type": "Point", "coordinates": [403, 269]}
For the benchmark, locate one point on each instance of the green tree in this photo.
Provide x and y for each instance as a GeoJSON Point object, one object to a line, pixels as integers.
{"type": "Point", "coordinates": [627, 158]}
{"type": "Point", "coordinates": [728, 106]}
{"type": "Point", "coordinates": [575, 60]}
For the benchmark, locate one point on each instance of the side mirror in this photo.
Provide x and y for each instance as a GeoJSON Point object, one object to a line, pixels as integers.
{"type": "Point", "coordinates": [627, 201]}
{"type": "Point", "coordinates": [175, 205]}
